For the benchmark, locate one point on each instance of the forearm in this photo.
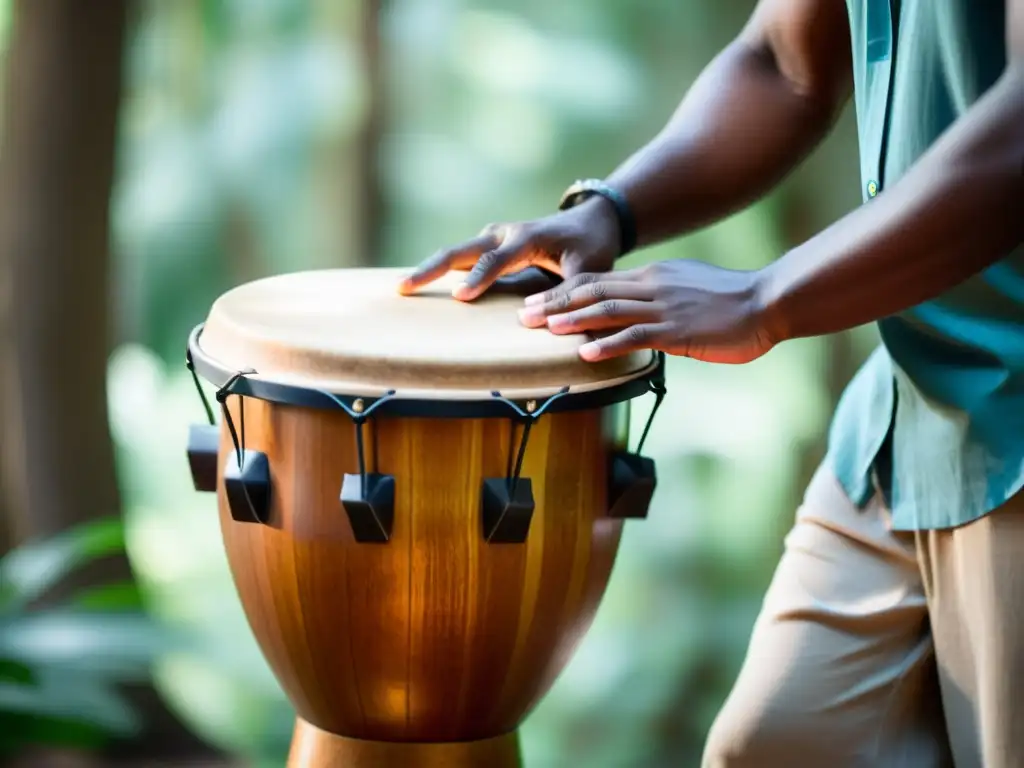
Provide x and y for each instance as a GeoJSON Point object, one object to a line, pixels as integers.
{"type": "Point", "coordinates": [741, 128]}
{"type": "Point", "coordinates": [957, 211]}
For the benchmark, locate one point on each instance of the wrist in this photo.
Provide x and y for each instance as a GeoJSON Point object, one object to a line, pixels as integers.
{"type": "Point", "coordinates": [587, 191]}
{"type": "Point", "coordinates": [768, 305]}
{"type": "Point", "coordinates": [597, 214]}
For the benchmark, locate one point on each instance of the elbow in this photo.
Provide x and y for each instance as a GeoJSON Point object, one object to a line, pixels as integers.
{"type": "Point", "coordinates": [820, 94]}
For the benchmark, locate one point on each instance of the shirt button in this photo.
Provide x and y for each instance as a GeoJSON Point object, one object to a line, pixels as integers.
{"type": "Point", "coordinates": [872, 188]}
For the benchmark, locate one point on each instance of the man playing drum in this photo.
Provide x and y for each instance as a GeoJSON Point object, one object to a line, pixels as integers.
{"type": "Point", "coordinates": [905, 564]}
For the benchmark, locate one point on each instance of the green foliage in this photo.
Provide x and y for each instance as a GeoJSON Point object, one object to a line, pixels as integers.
{"type": "Point", "coordinates": [61, 664]}
{"type": "Point", "coordinates": [28, 572]}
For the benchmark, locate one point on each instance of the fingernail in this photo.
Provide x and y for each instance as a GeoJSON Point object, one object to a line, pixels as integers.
{"type": "Point", "coordinates": [557, 321]}
{"type": "Point", "coordinates": [537, 298]}
{"type": "Point", "coordinates": [590, 351]}
{"type": "Point", "coordinates": [531, 317]}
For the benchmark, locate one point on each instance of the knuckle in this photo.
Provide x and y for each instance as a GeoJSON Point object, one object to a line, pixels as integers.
{"type": "Point", "coordinates": [563, 301]}
{"type": "Point", "coordinates": [610, 308]}
{"type": "Point", "coordinates": [598, 290]}
{"type": "Point", "coordinates": [579, 281]}
{"type": "Point", "coordinates": [442, 256]}
{"type": "Point", "coordinates": [551, 296]}
{"type": "Point", "coordinates": [488, 260]}
{"type": "Point", "coordinates": [649, 272]}
{"type": "Point", "coordinates": [637, 334]}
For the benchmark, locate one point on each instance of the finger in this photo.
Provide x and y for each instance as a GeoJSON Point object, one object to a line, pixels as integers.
{"type": "Point", "coordinates": [636, 337]}
{"type": "Point", "coordinates": [611, 313]}
{"type": "Point", "coordinates": [524, 282]}
{"type": "Point", "coordinates": [442, 262]}
{"type": "Point", "coordinates": [510, 256]}
{"type": "Point", "coordinates": [609, 287]}
{"type": "Point", "coordinates": [577, 281]}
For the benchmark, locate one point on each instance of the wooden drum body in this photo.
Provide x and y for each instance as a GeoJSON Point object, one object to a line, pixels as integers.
{"type": "Point", "coordinates": [416, 564]}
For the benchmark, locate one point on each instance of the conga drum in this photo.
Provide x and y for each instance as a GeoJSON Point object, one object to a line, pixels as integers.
{"type": "Point", "coordinates": [421, 501]}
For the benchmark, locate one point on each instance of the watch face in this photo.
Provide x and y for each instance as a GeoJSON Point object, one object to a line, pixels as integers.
{"type": "Point", "coordinates": [580, 191]}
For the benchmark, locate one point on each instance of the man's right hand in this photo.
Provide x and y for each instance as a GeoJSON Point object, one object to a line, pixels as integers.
{"type": "Point", "coordinates": [582, 239]}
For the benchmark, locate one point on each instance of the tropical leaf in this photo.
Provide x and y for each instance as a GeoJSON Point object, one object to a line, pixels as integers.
{"type": "Point", "coordinates": [123, 596]}
{"type": "Point", "coordinates": [32, 569]}
{"type": "Point", "coordinates": [19, 730]}
{"type": "Point", "coordinates": [116, 646]}
{"type": "Point", "coordinates": [61, 668]}
{"type": "Point", "coordinates": [77, 698]}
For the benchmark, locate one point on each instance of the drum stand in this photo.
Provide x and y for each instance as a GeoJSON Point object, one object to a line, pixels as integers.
{"type": "Point", "coordinates": [313, 747]}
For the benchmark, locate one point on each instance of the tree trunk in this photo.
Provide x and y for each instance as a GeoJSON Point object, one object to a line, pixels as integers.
{"type": "Point", "coordinates": [56, 168]}
{"type": "Point", "coordinates": [60, 113]}
{"type": "Point", "coordinates": [370, 194]}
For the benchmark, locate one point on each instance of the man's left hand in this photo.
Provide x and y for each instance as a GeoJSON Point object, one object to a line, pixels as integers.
{"type": "Point", "coordinates": [685, 308]}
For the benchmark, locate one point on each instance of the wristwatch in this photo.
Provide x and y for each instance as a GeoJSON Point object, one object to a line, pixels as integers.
{"type": "Point", "coordinates": [587, 188]}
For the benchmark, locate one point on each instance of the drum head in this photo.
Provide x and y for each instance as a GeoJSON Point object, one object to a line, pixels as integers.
{"type": "Point", "coordinates": [350, 332]}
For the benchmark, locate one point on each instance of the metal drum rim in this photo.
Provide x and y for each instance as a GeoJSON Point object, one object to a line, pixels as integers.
{"type": "Point", "coordinates": [446, 404]}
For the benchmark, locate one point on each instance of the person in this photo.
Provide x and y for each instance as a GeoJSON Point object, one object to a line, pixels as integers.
{"type": "Point", "coordinates": [891, 633]}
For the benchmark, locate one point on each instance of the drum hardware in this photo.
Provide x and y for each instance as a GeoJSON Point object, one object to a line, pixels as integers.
{"type": "Point", "coordinates": [203, 444]}
{"type": "Point", "coordinates": [506, 503]}
{"type": "Point", "coordinates": [416, 407]}
{"type": "Point", "coordinates": [368, 498]}
{"type": "Point", "coordinates": [632, 477]}
{"type": "Point", "coordinates": [246, 472]}
{"type": "Point", "coordinates": [203, 440]}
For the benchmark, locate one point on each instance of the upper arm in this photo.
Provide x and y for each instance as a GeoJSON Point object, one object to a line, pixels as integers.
{"type": "Point", "coordinates": [809, 43]}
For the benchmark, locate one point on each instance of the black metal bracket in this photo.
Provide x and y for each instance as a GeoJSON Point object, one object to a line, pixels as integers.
{"type": "Point", "coordinates": [203, 440]}
{"type": "Point", "coordinates": [368, 498]}
{"type": "Point", "coordinates": [632, 477]}
{"type": "Point", "coordinates": [506, 503]}
{"type": "Point", "coordinates": [203, 447]}
{"type": "Point", "coordinates": [247, 485]}
{"type": "Point", "coordinates": [246, 473]}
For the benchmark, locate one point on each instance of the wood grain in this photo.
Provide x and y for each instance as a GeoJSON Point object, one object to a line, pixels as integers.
{"type": "Point", "coordinates": [313, 747]}
{"type": "Point", "coordinates": [435, 636]}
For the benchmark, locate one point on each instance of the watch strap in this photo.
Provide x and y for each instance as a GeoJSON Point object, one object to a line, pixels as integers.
{"type": "Point", "coordinates": [587, 188]}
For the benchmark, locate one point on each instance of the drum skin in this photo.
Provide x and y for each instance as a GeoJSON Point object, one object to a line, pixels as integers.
{"type": "Point", "coordinates": [435, 635]}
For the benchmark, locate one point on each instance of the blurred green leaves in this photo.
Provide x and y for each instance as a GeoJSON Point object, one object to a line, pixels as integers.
{"type": "Point", "coordinates": [61, 664]}
{"type": "Point", "coordinates": [29, 571]}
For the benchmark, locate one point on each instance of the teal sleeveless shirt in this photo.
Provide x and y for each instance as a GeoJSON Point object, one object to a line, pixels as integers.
{"type": "Point", "coordinates": [936, 414]}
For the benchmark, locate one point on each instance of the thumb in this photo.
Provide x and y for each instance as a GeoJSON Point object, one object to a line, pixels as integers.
{"type": "Point", "coordinates": [510, 256]}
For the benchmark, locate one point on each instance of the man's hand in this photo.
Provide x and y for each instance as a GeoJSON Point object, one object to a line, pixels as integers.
{"type": "Point", "coordinates": [582, 239]}
{"type": "Point", "coordinates": [685, 308]}
{"type": "Point", "coordinates": [782, 81]}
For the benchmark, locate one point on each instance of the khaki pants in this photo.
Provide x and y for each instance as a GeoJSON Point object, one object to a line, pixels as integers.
{"type": "Point", "coordinates": [883, 649]}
